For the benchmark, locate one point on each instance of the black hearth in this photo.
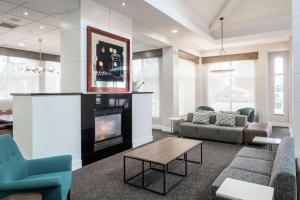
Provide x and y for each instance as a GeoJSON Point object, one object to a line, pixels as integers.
{"type": "Point", "coordinates": [106, 125]}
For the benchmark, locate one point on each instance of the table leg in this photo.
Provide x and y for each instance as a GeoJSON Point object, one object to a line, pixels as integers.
{"type": "Point", "coordinates": [201, 153]}
{"type": "Point", "coordinates": [185, 164]}
{"type": "Point", "coordinates": [124, 168]}
{"type": "Point", "coordinates": [164, 180]}
{"type": "Point", "coordinates": [143, 174]}
{"type": "Point", "coordinates": [172, 126]}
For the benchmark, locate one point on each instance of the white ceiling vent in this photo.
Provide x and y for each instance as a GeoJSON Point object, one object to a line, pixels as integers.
{"type": "Point", "coordinates": [8, 25]}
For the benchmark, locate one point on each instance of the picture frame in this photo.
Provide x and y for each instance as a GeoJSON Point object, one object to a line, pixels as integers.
{"type": "Point", "coordinates": [108, 62]}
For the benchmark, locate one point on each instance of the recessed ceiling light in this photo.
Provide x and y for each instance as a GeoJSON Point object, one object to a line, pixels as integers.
{"type": "Point", "coordinates": [206, 48]}
{"type": "Point", "coordinates": [123, 3]}
{"type": "Point", "coordinates": [174, 31]}
{"type": "Point", "coordinates": [26, 13]}
{"type": "Point", "coordinates": [21, 44]}
{"type": "Point", "coordinates": [42, 27]}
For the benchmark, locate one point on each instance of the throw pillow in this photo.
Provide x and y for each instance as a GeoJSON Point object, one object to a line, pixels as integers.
{"type": "Point", "coordinates": [225, 119]}
{"type": "Point", "coordinates": [201, 118]}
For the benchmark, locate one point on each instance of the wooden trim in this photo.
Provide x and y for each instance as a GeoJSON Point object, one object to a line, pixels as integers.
{"type": "Point", "coordinates": [230, 57]}
{"type": "Point", "coordinates": [28, 54]}
{"type": "Point", "coordinates": [156, 53]}
{"type": "Point", "coordinates": [188, 56]}
{"type": "Point", "coordinates": [90, 88]}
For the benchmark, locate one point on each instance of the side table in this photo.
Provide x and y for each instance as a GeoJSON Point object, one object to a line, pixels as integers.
{"type": "Point", "coordinates": [241, 190]}
{"type": "Point", "coordinates": [267, 141]}
{"type": "Point", "coordinates": [174, 119]}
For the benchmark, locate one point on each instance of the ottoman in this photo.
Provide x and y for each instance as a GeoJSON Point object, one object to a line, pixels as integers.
{"type": "Point", "coordinates": [256, 129]}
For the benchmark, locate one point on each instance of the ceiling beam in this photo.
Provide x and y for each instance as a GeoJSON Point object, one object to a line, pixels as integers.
{"type": "Point", "coordinates": [228, 7]}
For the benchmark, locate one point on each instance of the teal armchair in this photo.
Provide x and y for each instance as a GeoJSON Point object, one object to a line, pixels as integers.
{"type": "Point", "coordinates": [205, 108]}
{"type": "Point", "coordinates": [249, 112]}
{"type": "Point", "coordinates": [52, 177]}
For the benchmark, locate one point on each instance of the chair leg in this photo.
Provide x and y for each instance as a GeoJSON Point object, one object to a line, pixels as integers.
{"type": "Point", "coordinates": [69, 195]}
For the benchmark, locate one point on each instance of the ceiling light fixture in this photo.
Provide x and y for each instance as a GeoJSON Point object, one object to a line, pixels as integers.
{"type": "Point", "coordinates": [21, 44]}
{"type": "Point", "coordinates": [42, 27]}
{"type": "Point", "coordinates": [123, 3]}
{"type": "Point", "coordinates": [174, 31]}
{"type": "Point", "coordinates": [222, 66]}
{"type": "Point", "coordinates": [26, 13]}
{"type": "Point", "coordinates": [39, 69]}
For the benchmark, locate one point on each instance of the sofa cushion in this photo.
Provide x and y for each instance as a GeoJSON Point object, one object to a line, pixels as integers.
{"type": "Point", "coordinates": [240, 175]}
{"type": "Point", "coordinates": [225, 119]}
{"type": "Point", "coordinates": [283, 177]}
{"type": "Point", "coordinates": [252, 165]}
{"type": "Point", "coordinates": [257, 154]}
{"type": "Point", "coordinates": [201, 118]}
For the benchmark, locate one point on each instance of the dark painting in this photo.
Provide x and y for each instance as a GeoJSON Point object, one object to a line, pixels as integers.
{"type": "Point", "coordinates": [109, 63]}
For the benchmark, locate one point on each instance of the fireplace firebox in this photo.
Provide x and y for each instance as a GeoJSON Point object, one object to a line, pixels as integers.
{"type": "Point", "coordinates": [106, 125]}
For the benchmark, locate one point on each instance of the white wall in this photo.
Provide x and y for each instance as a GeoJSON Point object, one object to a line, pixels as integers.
{"type": "Point", "coordinates": [296, 75]}
{"type": "Point", "coordinates": [74, 40]}
{"type": "Point", "coordinates": [262, 85]}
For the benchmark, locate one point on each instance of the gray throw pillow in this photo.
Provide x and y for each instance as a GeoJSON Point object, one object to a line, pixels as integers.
{"type": "Point", "coordinates": [225, 119]}
{"type": "Point", "coordinates": [201, 118]}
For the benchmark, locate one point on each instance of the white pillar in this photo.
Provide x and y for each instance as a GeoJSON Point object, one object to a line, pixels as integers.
{"type": "Point", "coordinates": [74, 40]}
{"type": "Point", "coordinates": [296, 75]}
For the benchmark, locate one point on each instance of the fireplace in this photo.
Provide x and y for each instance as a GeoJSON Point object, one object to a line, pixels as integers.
{"type": "Point", "coordinates": [105, 125]}
{"type": "Point", "coordinates": [108, 127]}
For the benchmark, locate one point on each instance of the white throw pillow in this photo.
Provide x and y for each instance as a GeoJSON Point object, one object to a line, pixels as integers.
{"type": "Point", "coordinates": [225, 119]}
{"type": "Point", "coordinates": [201, 118]}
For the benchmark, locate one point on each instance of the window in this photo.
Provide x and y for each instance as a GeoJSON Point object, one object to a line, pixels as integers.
{"type": "Point", "coordinates": [234, 89]}
{"type": "Point", "coordinates": [15, 79]}
{"type": "Point", "coordinates": [147, 71]}
{"type": "Point", "coordinates": [278, 86]}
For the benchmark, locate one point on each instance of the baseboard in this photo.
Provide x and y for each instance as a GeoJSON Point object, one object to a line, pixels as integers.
{"type": "Point", "coordinates": [280, 124]}
{"type": "Point", "coordinates": [142, 141]}
{"type": "Point", "coordinates": [166, 129]}
{"type": "Point", "coordinates": [156, 126]}
{"type": "Point", "coordinates": [76, 164]}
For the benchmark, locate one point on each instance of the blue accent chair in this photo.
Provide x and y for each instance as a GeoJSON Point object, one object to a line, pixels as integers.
{"type": "Point", "coordinates": [52, 177]}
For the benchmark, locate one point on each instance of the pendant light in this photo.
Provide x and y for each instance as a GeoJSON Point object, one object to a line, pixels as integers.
{"type": "Point", "coordinates": [222, 67]}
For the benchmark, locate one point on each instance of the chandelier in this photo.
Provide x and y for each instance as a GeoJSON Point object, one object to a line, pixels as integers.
{"type": "Point", "coordinates": [40, 68]}
{"type": "Point", "coordinates": [221, 67]}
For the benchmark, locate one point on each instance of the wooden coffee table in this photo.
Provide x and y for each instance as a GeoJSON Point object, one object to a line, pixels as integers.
{"type": "Point", "coordinates": [162, 153]}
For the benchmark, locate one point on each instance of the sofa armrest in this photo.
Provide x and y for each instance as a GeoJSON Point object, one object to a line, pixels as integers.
{"type": "Point", "coordinates": [30, 184]}
{"type": "Point", "coordinates": [241, 120]}
{"type": "Point", "coordinates": [50, 165]}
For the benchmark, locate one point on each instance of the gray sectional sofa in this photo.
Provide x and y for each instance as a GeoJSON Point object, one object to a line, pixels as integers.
{"type": "Point", "coordinates": [212, 131]}
{"type": "Point", "coordinates": [275, 169]}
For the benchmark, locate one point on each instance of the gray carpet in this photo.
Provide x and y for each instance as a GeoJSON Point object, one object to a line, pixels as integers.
{"type": "Point", "coordinates": [104, 179]}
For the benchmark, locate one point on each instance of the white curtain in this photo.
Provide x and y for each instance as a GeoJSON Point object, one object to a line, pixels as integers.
{"type": "Point", "coordinates": [186, 76]}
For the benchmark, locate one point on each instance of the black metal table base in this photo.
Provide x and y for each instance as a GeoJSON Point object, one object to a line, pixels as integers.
{"type": "Point", "coordinates": [164, 169]}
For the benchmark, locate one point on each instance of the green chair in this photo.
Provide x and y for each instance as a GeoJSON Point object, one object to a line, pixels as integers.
{"type": "Point", "coordinates": [206, 108]}
{"type": "Point", "coordinates": [52, 177]}
{"type": "Point", "coordinates": [249, 112]}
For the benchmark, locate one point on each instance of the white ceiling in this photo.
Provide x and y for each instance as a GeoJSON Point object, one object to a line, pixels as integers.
{"type": "Point", "coordinates": [42, 21]}
{"type": "Point", "coordinates": [247, 22]}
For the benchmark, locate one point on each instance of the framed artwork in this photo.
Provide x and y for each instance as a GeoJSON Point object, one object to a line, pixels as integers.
{"type": "Point", "coordinates": [108, 62]}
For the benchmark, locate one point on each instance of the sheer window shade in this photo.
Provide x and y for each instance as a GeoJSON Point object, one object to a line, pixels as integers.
{"type": "Point", "coordinates": [232, 90]}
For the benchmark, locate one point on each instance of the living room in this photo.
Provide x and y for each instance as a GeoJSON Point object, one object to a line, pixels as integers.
{"type": "Point", "coordinates": [149, 99]}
